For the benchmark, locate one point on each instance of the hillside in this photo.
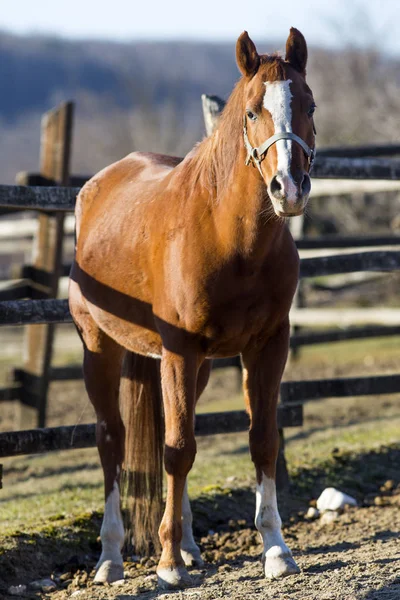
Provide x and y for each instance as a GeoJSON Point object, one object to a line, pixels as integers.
{"type": "Point", "coordinates": [147, 95]}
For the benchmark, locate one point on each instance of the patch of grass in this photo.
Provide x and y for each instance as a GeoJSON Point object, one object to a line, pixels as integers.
{"type": "Point", "coordinates": [351, 352]}
{"type": "Point", "coordinates": [34, 552]}
{"type": "Point", "coordinates": [357, 473]}
{"type": "Point", "coordinates": [235, 402]}
{"type": "Point", "coordinates": [40, 488]}
{"type": "Point", "coordinates": [312, 447]}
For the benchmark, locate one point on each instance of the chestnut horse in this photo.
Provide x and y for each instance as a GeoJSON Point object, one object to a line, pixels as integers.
{"type": "Point", "coordinates": [184, 261]}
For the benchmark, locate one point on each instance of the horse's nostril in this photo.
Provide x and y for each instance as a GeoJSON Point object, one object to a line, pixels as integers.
{"type": "Point", "coordinates": [275, 187]}
{"type": "Point", "coordinates": [306, 185]}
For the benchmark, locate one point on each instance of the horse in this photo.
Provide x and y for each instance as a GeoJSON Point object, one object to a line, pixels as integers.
{"type": "Point", "coordinates": [179, 261]}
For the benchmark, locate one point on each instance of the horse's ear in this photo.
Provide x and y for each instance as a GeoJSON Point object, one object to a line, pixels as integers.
{"type": "Point", "coordinates": [296, 50]}
{"type": "Point", "coordinates": [247, 57]}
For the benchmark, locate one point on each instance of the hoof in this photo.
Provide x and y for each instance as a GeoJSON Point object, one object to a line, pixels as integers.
{"type": "Point", "coordinates": [279, 563]}
{"type": "Point", "coordinates": [192, 557]}
{"type": "Point", "coordinates": [108, 572]}
{"type": "Point", "coordinates": [170, 578]}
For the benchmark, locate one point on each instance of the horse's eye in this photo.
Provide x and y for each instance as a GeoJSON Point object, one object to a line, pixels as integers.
{"type": "Point", "coordinates": [251, 115]}
{"type": "Point", "coordinates": [311, 110]}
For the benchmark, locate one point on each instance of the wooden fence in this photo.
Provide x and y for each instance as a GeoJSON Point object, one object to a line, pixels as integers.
{"type": "Point", "coordinates": [41, 311]}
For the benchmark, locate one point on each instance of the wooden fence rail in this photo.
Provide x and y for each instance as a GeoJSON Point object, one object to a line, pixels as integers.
{"type": "Point", "coordinates": [307, 243]}
{"type": "Point", "coordinates": [346, 241]}
{"type": "Point", "coordinates": [289, 414]}
{"type": "Point", "coordinates": [309, 338]}
{"type": "Point", "coordinates": [63, 198]}
{"type": "Point", "coordinates": [51, 199]}
{"type": "Point", "coordinates": [36, 441]}
{"type": "Point", "coordinates": [32, 279]}
{"type": "Point", "coordinates": [300, 391]}
{"type": "Point", "coordinates": [379, 260]}
{"type": "Point", "coordinates": [23, 312]}
{"type": "Point", "coordinates": [360, 151]}
{"type": "Point", "coordinates": [25, 381]}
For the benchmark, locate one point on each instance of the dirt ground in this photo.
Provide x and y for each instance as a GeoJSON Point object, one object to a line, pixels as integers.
{"type": "Point", "coordinates": [355, 557]}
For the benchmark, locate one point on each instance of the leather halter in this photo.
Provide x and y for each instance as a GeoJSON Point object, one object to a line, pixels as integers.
{"type": "Point", "coordinates": [257, 155]}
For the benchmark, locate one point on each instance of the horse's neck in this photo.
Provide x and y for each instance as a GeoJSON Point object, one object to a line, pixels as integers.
{"type": "Point", "coordinates": [243, 213]}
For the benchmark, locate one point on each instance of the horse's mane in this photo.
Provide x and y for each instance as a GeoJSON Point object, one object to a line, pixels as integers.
{"type": "Point", "coordinates": [213, 160]}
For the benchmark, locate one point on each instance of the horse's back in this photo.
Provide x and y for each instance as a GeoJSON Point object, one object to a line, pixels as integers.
{"type": "Point", "coordinates": [126, 180]}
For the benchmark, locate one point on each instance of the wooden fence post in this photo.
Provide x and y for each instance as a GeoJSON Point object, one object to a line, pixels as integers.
{"type": "Point", "coordinates": [56, 134]}
{"type": "Point", "coordinates": [212, 109]}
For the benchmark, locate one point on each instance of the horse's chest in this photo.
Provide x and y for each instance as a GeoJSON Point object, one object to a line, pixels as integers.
{"type": "Point", "coordinates": [230, 306]}
{"type": "Point", "coordinates": [230, 326]}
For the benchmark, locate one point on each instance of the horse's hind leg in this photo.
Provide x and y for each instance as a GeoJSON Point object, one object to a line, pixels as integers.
{"type": "Point", "coordinates": [102, 377]}
{"type": "Point", "coordinates": [262, 372]}
{"type": "Point", "coordinates": [101, 368]}
{"type": "Point", "coordinates": [189, 549]}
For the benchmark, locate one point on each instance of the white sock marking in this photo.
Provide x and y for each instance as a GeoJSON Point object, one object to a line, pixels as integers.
{"type": "Point", "coordinates": [277, 100]}
{"type": "Point", "coordinates": [187, 521]}
{"type": "Point", "coordinates": [112, 529]}
{"type": "Point", "coordinates": [268, 521]}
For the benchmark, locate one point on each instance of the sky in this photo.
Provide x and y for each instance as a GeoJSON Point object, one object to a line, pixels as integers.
{"type": "Point", "coordinates": [323, 22]}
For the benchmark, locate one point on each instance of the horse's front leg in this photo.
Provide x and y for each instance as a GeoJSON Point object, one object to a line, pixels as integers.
{"type": "Point", "coordinates": [263, 369]}
{"type": "Point", "coordinates": [178, 377]}
{"type": "Point", "coordinates": [189, 549]}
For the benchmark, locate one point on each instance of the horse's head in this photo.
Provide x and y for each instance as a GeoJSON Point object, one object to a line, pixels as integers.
{"type": "Point", "coordinates": [278, 127]}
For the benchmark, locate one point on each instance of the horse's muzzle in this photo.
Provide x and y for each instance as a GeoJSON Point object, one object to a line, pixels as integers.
{"type": "Point", "coordinates": [289, 196]}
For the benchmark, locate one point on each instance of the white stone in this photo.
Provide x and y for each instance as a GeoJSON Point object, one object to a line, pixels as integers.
{"type": "Point", "coordinates": [16, 590]}
{"type": "Point", "coordinates": [312, 513]}
{"type": "Point", "coordinates": [118, 582]}
{"type": "Point", "coordinates": [42, 584]}
{"type": "Point", "coordinates": [333, 499]}
{"type": "Point", "coordinates": [329, 516]}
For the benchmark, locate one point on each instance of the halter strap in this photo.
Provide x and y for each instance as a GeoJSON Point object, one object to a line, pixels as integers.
{"type": "Point", "coordinates": [258, 154]}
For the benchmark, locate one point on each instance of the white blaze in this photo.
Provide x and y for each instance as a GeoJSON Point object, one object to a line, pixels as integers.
{"type": "Point", "coordinates": [277, 100]}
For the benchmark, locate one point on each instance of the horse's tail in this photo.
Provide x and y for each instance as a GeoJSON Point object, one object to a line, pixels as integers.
{"type": "Point", "coordinates": [142, 471]}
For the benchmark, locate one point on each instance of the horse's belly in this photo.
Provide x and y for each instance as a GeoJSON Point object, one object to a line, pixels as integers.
{"type": "Point", "coordinates": [137, 335]}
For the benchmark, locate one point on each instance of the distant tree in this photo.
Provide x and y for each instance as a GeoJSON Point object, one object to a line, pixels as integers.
{"type": "Point", "coordinates": [146, 96]}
